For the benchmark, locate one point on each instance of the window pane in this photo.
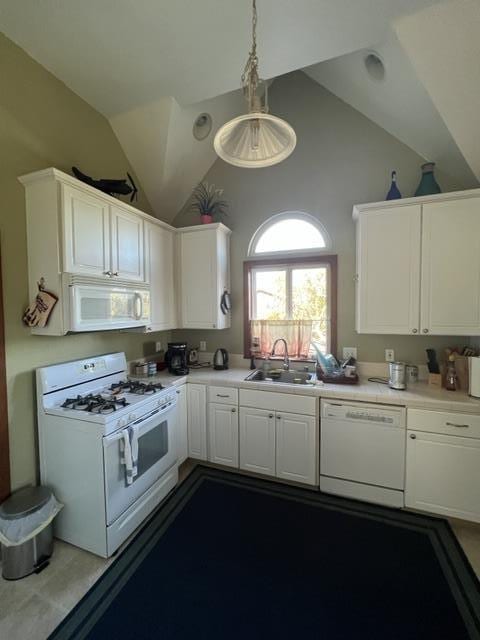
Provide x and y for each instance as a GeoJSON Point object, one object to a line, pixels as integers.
{"type": "Point", "coordinates": [290, 235]}
{"type": "Point", "coordinates": [309, 300]}
{"type": "Point", "coordinates": [269, 294]}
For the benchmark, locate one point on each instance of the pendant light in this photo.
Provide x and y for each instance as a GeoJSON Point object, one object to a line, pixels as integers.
{"type": "Point", "coordinates": [256, 139]}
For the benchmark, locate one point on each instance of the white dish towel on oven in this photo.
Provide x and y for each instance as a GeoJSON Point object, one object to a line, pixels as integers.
{"type": "Point", "coordinates": [129, 448]}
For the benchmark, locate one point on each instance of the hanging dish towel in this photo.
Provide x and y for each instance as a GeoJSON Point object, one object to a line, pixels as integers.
{"type": "Point", "coordinates": [129, 449]}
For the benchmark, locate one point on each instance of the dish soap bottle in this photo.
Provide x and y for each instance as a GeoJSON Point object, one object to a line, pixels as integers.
{"type": "Point", "coordinates": [451, 377]}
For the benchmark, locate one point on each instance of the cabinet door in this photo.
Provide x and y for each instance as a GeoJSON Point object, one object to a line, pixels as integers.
{"type": "Point", "coordinates": [388, 271]}
{"type": "Point", "coordinates": [257, 440]}
{"type": "Point", "coordinates": [296, 448]}
{"type": "Point", "coordinates": [450, 299]}
{"type": "Point", "coordinates": [181, 430]}
{"type": "Point", "coordinates": [198, 271]}
{"type": "Point", "coordinates": [197, 421]}
{"type": "Point", "coordinates": [159, 261]}
{"type": "Point", "coordinates": [86, 233]}
{"type": "Point", "coordinates": [223, 434]}
{"type": "Point", "coordinates": [127, 244]}
{"type": "Point", "coordinates": [443, 475]}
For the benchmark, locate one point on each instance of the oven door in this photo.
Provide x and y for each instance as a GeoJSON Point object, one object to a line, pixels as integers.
{"type": "Point", "coordinates": [156, 454]}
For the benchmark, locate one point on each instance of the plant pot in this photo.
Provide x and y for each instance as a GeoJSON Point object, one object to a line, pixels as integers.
{"type": "Point", "coordinates": [206, 218]}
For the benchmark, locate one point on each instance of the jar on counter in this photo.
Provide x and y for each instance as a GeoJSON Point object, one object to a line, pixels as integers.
{"type": "Point", "coordinates": [412, 373]}
{"type": "Point", "coordinates": [141, 369]}
{"type": "Point", "coordinates": [152, 368]}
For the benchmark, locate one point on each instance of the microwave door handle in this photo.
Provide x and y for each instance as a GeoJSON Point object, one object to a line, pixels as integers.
{"type": "Point", "coordinates": [138, 305]}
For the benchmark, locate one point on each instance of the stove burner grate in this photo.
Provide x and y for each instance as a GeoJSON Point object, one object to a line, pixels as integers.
{"type": "Point", "coordinates": [95, 403]}
{"type": "Point", "coordinates": [136, 387]}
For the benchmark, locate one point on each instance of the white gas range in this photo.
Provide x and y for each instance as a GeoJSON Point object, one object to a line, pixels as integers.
{"type": "Point", "coordinates": [107, 448]}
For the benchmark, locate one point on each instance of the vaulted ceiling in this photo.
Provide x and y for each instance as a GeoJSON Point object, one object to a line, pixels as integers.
{"type": "Point", "coordinates": [152, 66]}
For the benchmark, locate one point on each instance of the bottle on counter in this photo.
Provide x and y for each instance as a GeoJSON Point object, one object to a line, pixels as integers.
{"type": "Point", "coordinates": [451, 377]}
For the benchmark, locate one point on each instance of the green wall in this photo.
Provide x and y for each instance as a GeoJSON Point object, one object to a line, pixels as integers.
{"type": "Point", "coordinates": [342, 158]}
{"type": "Point", "coordinates": [43, 124]}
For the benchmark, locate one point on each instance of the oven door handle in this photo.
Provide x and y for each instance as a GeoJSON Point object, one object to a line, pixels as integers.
{"type": "Point", "coordinates": [118, 435]}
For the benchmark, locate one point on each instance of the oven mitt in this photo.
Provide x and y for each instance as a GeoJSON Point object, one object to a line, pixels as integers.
{"type": "Point", "coordinates": [38, 313]}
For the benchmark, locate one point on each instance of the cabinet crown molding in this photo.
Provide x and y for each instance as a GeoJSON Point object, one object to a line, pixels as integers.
{"type": "Point", "coordinates": [403, 202]}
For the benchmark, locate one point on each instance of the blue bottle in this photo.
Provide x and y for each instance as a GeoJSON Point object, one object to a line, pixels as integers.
{"type": "Point", "coordinates": [394, 193]}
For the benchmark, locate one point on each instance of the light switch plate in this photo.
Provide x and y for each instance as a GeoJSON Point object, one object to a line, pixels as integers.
{"type": "Point", "coordinates": [158, 346]}
{"type": "Point", "coordinates": [203, 345]}
{"type": "Point", "coordinates": [349, 352]}
{"type": "Point", "coordinates": [389, 355]}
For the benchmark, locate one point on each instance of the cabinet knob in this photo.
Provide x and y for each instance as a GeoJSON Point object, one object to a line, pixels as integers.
{"type": "Point", "coordinates": [234, 410]}
{"type": "Point", "coordinates": [278, 417]}
{"type": "Point", "coordinates": [177, 392]}
{"type": "Point", "coordinates": [270, 415]}
{"type": "Point", "coordinates": [425, 331]}
{"type": "Point", "coordinates": [414, 330]}
{"type": "Point", "coordinates": [413, 436]}
{"type": "Point", "coordinates": [115, 273]}
{"type": "Point", "coordinates": [108, 273]}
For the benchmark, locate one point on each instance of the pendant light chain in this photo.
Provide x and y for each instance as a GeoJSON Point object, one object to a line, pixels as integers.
{"type": "Point", "coordinates": [250, 78]}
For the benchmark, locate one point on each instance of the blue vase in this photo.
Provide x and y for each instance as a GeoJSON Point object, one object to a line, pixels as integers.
{"type": "Point", "coordinates": [394, 193]}
{"type": "Point", "coordinates": [428, 185]}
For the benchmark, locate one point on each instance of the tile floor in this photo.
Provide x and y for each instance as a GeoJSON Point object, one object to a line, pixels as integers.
{"type": "Point", "coordinates": [31, 608]}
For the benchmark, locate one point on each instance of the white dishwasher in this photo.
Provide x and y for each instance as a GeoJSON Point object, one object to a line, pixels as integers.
{"type": "Point", "coordinates": [362, 451]}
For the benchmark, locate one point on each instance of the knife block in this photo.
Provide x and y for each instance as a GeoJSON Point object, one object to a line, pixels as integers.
{"type": "Point", "coordinates": [435, 380]}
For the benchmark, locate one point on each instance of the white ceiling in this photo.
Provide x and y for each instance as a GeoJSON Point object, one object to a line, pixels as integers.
{"type": "Point", "coordinates": [119, 54]}
{"type": "Point", "coordinates": [152, 66]}
{"type": "Point", "coordinates": [399, 103]}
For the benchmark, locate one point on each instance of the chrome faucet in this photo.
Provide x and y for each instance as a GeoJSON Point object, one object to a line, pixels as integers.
{"type": "Point", "coordinates": [286, 359]}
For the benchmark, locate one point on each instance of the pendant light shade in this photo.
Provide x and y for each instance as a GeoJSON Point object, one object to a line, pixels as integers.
{"type": "Point", "coordinates": [256, 139]}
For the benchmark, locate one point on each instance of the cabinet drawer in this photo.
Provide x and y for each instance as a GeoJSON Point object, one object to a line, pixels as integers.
{"type": "Point", "coordinates": [223, 395]}
{"type": "Point", "coordinates": [274, 401]}
{"type": "Point", "coordinates": [456, 424]}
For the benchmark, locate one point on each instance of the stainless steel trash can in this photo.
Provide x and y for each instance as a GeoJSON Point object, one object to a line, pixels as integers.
{"type": "Point", "coordinates": [31, 556]}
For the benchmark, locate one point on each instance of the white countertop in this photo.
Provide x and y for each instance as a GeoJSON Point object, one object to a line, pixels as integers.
{"type": "Point", "coordinates": [419, 395]}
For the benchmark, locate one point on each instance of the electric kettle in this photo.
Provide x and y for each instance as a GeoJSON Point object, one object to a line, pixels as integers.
{"type": "Point", "coordinates": [220, 359]}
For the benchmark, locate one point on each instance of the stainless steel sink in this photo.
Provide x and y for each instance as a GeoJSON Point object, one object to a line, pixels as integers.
{"type": "Point", "coordinates": [280, 375]}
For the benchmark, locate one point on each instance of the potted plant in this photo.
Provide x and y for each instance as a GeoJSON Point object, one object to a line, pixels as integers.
{"type": "Point", "coordinates": [206, 199]}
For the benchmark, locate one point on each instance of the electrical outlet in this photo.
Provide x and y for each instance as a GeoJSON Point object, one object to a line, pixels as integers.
{"type": "Point", "coordinates": [203, 345]}
{"type": "Point", "coordinates": [389, 355]}
{"type": "Point", "coordinates": [349, 352]}
{"type": "Point", "coordinates": [158, 346]}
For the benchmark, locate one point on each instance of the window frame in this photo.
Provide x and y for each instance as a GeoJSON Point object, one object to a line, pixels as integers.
{"type": "Point", "coordinates": [319, 259]}
{"type": "Point", "coordinates": [289, 215]}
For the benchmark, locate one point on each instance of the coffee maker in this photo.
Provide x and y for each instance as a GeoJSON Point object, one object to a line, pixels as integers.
{"type": "Point", "coordinates": [176, 358]}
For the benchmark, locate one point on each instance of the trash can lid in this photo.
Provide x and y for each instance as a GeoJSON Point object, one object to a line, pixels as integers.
{"type": "Point", "coordinates": [24, 501]}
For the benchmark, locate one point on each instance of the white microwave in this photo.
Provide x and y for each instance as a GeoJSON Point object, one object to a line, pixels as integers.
{"type": "Point", "coordinates": [94, 304]}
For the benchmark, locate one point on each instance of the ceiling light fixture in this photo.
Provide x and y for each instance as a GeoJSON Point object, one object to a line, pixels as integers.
{"type": "Point", "coordinates": [256, 139]}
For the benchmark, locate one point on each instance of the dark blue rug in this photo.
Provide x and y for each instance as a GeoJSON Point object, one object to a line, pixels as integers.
{"type": "Point", "coordinates": [234, 557]}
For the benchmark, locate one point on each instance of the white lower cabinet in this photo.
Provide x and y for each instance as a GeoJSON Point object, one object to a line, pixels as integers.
{"type": "Point", "coordinates": [257, 440]}
{"type": "Point", "coordinates": [197, 421]}
{"type": "Point", "coordinates": [443, 474]}
{"type": "Point", "coordinates": [182, 433]}
{"type": "Point", "coordinates": [223, 434]}
{"type": "Point", "coordinates": [295, 448]}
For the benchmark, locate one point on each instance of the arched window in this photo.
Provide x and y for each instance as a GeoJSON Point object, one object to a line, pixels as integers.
{"type": "Point", "coordinates": [292, 232]}
{"type": "Point", "coordinates": [290, 287]}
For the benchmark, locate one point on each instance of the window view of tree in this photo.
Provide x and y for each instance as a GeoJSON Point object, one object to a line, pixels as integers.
{"type": "Point", "coordinates": [293, 293]}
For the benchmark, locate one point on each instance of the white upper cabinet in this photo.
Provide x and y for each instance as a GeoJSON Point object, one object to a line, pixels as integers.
{"type": "Point", "coordinates": [204, 266]}
{"type": "Point", "coordinates": [451, 268]}
{"type": "Point", "coordinates": [159, 272]}
{"type": "Point", "coordinates": [418, 266]}
{"type": "Point", "coordinates": [127, 244]}
{"type": "Point", "coordinates": [86, 233]}
{"type": "Point", "coordinates": [388, 270]}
